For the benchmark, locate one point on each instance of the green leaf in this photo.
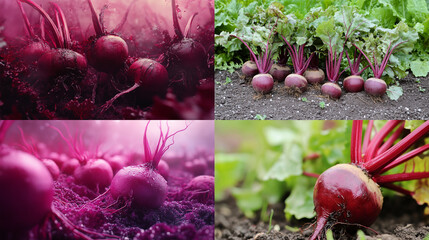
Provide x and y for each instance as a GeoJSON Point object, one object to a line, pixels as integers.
{"type": "Point", "coordinates": [229, 169]}
{"type": "Point", "coordinates": [278, 136]}
{"type": "Point", "coordinates": [288, 164]}
{"type": "Point", "coordinates": [300, 201]}
{"type": "Point", "coordinates": [394, 92]}
{"type": "Point", "coordinates": [420, 68]}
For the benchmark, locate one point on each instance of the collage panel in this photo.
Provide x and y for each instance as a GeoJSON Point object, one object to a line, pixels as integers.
{"type": "Point", "coordinates": [313, 59]}
{"type": "Point", "coordinates": [106, 180]}
{"type": "Point", "coordinates": [321, 179]}
{"type": "Point", "coordinates": [106, 59]}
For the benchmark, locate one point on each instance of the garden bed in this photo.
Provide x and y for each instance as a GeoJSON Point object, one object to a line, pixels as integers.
{"type": "Point", "coordinates": [401, 218]}
{"type": "Point", "coordinates": [237, 100]}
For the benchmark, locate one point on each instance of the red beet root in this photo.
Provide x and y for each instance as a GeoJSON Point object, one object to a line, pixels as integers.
{"type": "Point", "coordinates": [353, 83]}
{"type": "Point", "coordinates": [108, 54]}
{"type": "Point", "coordinates": [189, 53]}
{"type": "Point", "coordinates": [34, 51]}
{"type": "Point", "coordinates": [314, 76]}
{"type": "Point", "coordinates": [263, 83]}
{"type": "Point", "coordinates": [296, 81]}
{"type": "Point", "coordinates": [149, 74]}
{"type": "Point", "coordinates": [280, 72]}
{"type": "Point", "coordinates": [332, 90]}
{"type": "Point", "coordinates": [62, 61]}
{"type": "Point", "coordinates": [375, 87]}
{"type": "Point", "coordinates": [344, 193]}
{"type": "Point", "coordinates": [249, 69]}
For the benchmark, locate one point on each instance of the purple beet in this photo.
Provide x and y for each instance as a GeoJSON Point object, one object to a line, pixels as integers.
{"type": "Point", "coordinates": [296, 81]}
{"type": "Point", "coordinates": [353, 83]}
{"type": "Point", "coordinates": [108, 54]}
{"type": "Point", "coordinates": [263, 83]}
{"type": "Point", "coordinates": [62, 61]}
{"type": "Point", "coordinates": [280, 72]}
{"type": "Point", "coordinates": [332, 90]}
{"type": "Point", "coordinates": [249, 69]}
{"type": "Point", "coordinates": [375, 87]}
{"type": "Point", "coordinates": [314, 76]}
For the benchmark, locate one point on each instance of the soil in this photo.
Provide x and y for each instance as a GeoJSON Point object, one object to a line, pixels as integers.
{"type": "Point", "coordinates": [400, 219]}
{"type": "Point", "coordinates": [237, 100]}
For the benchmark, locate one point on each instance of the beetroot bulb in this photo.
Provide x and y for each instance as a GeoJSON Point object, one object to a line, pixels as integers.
{"type": "Point", "coordinates": [60, 60]}
{"type": "Point", "coordinates": [350, 193]}
{"type": "Point", "coordinates": [186, 56]}
{"type": "Point", "coordinates": [108, 52]}
{"type": "Point", "coordinates": [142, 184]}
{"type": "Point", "coordinates": [354, 82]}
{"type": "Point", "coordinates": [262, 82]}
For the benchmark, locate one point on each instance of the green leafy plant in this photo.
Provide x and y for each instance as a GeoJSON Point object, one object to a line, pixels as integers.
{"type": "Point", "coordinates": [260, 117]}
{"type": "Point", "coordinates": [322, 104]}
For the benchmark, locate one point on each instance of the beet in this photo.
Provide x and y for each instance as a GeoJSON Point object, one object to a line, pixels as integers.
{"type": "Point", "coordinates": [314, 76]}
{"type": "Point", "coordinates": [149, 74]}
{"type": "Point", "coordinates": [189, 53]}
{"type": "Point", "coordinates": [34, 51]}
{"type": "Point", "coordinates": [375, 87]}
{"type": "Point", "coordinates": [332, 90]}
{"type": "Point", "coordinates": [353, 83]}
{"type": "Point", "coordinates": [280, 72]}
{"type": "Point", "coordinates": [263, 83]}
{"type": "Point", "coordinates": [296, 81]}
{"type": "Point", "coordinates": [345, 193]}
{"type": "Point", "coordinates": [249, 69]}
{"type": "Point", "coordinates": [62, 61]}
{"type": "Point", "coordinates": [108, 54]}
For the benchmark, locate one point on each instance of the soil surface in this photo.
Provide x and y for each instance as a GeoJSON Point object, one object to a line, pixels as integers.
{"type": "Point", "coordinates": [400, 219]}
{"type": "Point", "coordinates": [237, 100]}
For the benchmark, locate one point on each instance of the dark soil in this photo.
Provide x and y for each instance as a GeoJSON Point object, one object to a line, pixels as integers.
{"type": "Point", "coordinates": [237, 100]}
{"type": "Point", "coordinates": [400, 219]}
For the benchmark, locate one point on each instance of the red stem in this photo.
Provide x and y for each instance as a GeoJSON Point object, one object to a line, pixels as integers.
{"type": "Point", "coordinates": [367, 138]}
{"type": "Point", "coordinates": [401, 177]}
{"type": "Point", "coordinates": [398, 189]}
{"type": "Point", "coordinates": [308, 174]}
{"type": "Point", "coordinates": [356, 142]}
{"type": "Point", "coordinates": [385, 158]}
{"type": "Point", "coordinates": [26, 21]}
{"type": "Point", "coordinates": [95, 21]}
{"type": "Point", "coordinates": [379, 137]}
{"type": "Point", "coordinates": [56, 33]}
{"type": "Point", "coordinates": [124, 19]}
{"type": "Point", "coordinates": [405, 158]}
{"type": "Point", "coordinates": [65, 29]}
{"type": "Point", "coordinates": [321, 222]}
{"type": "Point", "coordinates": [189, 24]}
{"type": "Point", "coordinates": [176, 24]}
{"type": "Point", "coordinates": [391, 139]}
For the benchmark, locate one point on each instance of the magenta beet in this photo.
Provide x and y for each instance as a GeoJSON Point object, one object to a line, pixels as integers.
{"type": "Point", "coordinates": [375, 87]}
{"type": "Point", "coordinates": [263, 83]}
{"type": "Point", "coordinates": [27, 190]}
{"type": "Point", "coordinates": [189, 53]}
{"type": "Point", "coordinates": [360, 202]}
{"type": "Point", "coordinates": [314, 76]}
{"type": "Point", "coordinates": [62, 61]}
{"type": "Point", "coordinates": [332, 90]}
{"type": "Point", "coordinates": [296, 82]}
{"type": "Point", "coordinates": [149, 74]}
{"type": "Point", "coordinates": [249, 69]}
{"type": "Point", "coordinates": [108, 54]}
{"type": "Point", "coordinates": [353, 83]}
{"type": "Point", "coordinates": [280, 72]}
{"type": "Point", "coordinates": [34, 51]}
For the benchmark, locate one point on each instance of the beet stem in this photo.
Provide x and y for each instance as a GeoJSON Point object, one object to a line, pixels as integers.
{"type": "Point", "coordinates": [398, 189]}
{"type": "Point", "coordinates": [65, 29]}
{"type": "Point", "coordinates": [189, 24]}
{"type": "Point", "coordinates": [95, 21]}
{"type": "Point", "coordinates": [405, 158]}
{"type": "Point", "coordinates": [309, 174]}
{"type": "Point", "coordinates": [56, 33]}
{"type": "Point", "coordinates": [4, 126]}
{"type": "Point", "coordinates": [385, 158]}
{"type": "Point", "coordinates": [124, 19]}
{"type": "Point", "coordinates": [356, 142]}
{"type": "Point", "coordinates": [26, 21]}
{"type": "Point", "coordinates": [391, 139]}
{"type": "Point", "coordinates": [367, 138]}
{"type": "Point", "coordinates": [401, 177]}
{"type": "Point", "coordinates": [176, 24]}
{"type": "Point", "coordinates": [379, 137]}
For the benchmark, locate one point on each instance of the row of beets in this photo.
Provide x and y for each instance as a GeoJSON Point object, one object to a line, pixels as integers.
{"type": "Point", "coordinates": [264, 71]}
{"type": "Point", "coordinates": [107, 53]}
